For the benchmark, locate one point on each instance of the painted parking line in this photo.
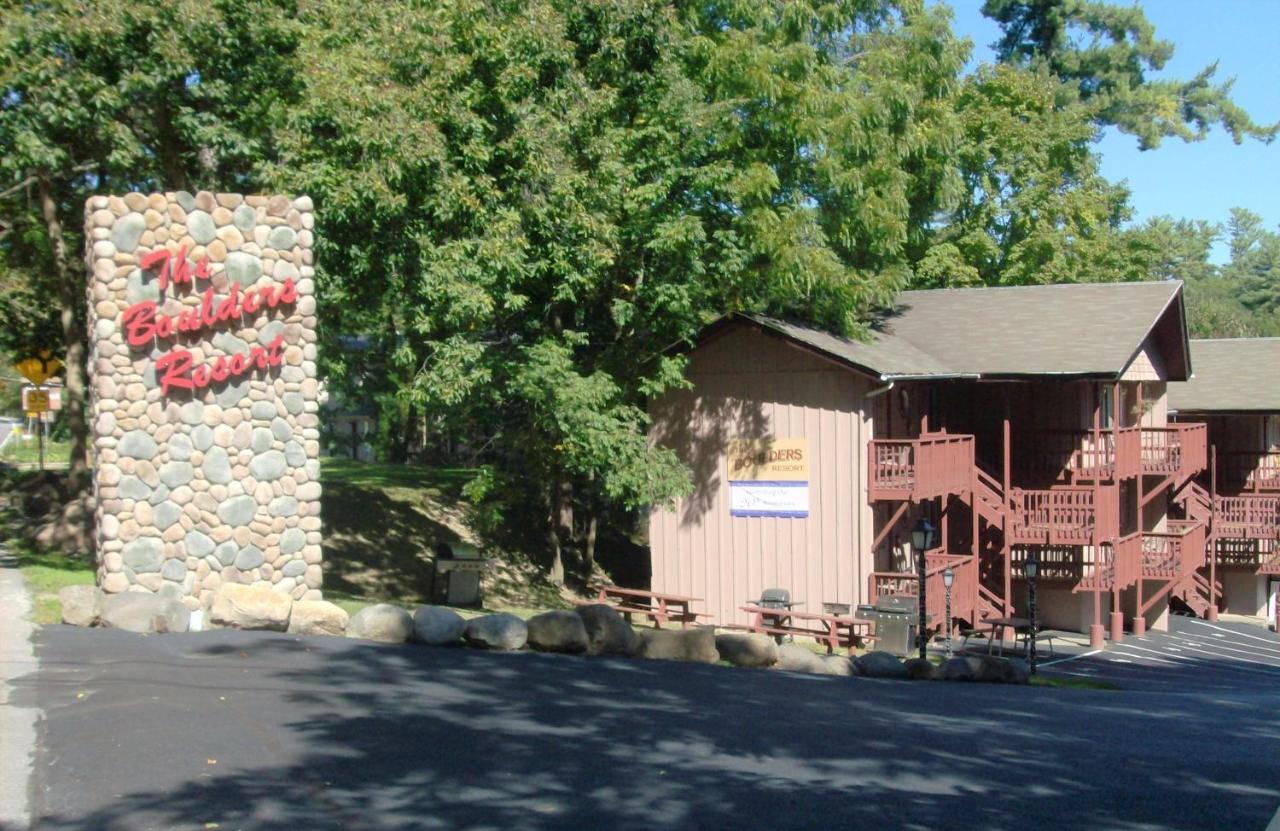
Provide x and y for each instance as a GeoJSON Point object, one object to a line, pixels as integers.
{"type": "Point", "coordinates": [1271, 670]}
{"type": "Point", "coordinates": [1271, 640]}
{"type": "Point", "coordinates": [1253, 648]}
{"type": "Point", "coordinates": [1236, 658]}
{"type": "Point", "coordinates": [1247, 649]}
{"type": "Point", "coordinates": [1149, 657]}
{"type": "Point", "coordinates": [1068, 658]}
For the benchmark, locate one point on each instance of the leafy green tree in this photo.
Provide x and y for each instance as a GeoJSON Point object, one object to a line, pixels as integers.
{"type": "Point", "coordinates": [1037, 210]}
{"type": "Point", "coordinates": [1106, 53]}
{"type": "Point", "coordinates": [1255, 262]}
{"type": "Point", "coordinates": [114, 96]}
{"type": "Point", "coordinates": [525, 204]}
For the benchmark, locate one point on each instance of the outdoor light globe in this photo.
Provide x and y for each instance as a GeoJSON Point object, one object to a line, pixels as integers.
{"type": "Point", "coordinates": [948, 576]}
{"type": "Point", "coordinates": [922, 535]}
{"type": "Point", "coordinates": [1031, 569]}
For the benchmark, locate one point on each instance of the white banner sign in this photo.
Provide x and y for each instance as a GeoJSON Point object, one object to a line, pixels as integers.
{"type": "Point", "coordinates": [776, 499]}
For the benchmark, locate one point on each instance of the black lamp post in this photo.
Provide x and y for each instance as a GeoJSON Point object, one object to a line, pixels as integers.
{"type": "Point", "coordinates": [922, 541]}
{"type": "Point", "coordinates": [1032, 567]}
{"type": "Point", "coordinates": [948, 578]}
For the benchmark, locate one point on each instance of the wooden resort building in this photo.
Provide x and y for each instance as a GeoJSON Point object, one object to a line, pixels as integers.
{"type": "Point", "coordinates": [1026, 422]}
{"type": "Point", "coordinates": [1236, 394]}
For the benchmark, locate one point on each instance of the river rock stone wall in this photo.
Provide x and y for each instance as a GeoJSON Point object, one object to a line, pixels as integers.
{"type": "Point", "coordinates": [218, 482]}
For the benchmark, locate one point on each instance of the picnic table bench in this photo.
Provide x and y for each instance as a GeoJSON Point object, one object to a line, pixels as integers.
{"type": "Point", "coordinates": [833, 630]}
{"type": "Point", "coordinates": [657, 606]}
{"type": "Point", "coordinates": [993, 629]}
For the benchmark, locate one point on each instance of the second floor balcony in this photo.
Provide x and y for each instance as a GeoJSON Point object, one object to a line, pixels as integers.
{"type": "Point", "coordinates": [1105, 455]}
{"type": "Point", "coordinates": [936, 464]}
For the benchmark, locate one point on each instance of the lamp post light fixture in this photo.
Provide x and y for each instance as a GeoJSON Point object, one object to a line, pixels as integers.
{"type": "Point", "coordinates": [948, 578]}
{"type": "Point", "coordinates": [1032, 567]}
{"type": "Point", "coordinates": [922, 541]}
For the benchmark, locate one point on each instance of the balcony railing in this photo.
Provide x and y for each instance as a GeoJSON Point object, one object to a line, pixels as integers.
{"type": "Point", "coordinates": [1066, 515]}
{"type": "Point", "coordinates": [1068, 454]}
{"type": "Point", "coordinates": [1252, 517]}
{"type": "Point", "coordinates": [933, 465]}
{"type": "Point", "coordinates": [1256, 472]}
{"type": "Point", "coordinates": [1180, 449]}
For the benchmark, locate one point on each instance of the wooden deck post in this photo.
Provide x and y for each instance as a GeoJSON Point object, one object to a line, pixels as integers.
{"type": "Point", "coordinates": [1117, 412]}
{"type": "Point", "coordinates": [1097, 636]}
{"type": "Point", "coordinates": [1006, 546]}
{"type": "Point", "coordinates": [1140, 620]}
{"type": "Point", "coordinates": [1213, 534]}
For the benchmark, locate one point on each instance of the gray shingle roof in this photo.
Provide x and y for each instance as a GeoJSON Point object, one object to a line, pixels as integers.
{"type": "Point", "coordinates": [882, 355]}
{"type": "Point", "coordinates": [1232, 375]}
{"type": "Point", "coordinates": [1081, 329]}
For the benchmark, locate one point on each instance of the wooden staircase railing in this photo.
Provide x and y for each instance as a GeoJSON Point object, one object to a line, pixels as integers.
{"type": "Point", "coordinates": [1066, 515]}
{"type": "Point", "coordinates": [965, 590]}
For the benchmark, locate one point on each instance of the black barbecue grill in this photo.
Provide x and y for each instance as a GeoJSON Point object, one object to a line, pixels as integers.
{"type": "Point", "coordinates": [896, 618]}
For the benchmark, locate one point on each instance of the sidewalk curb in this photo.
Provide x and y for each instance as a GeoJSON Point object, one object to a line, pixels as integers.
{"type": "Point", "coordinates": [17, 724]}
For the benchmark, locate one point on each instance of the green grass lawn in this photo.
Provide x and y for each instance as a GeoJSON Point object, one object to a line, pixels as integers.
{"type": "Point", "coordinates": [27, 452]}
{"type": "Point", "coordinates": [381, 522]}
{"type": "Point", "coordinates": [45, 573]}
{"type": "Point", "coordinates": [1071, 683]}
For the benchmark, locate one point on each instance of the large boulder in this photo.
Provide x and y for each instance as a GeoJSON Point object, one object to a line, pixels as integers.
{"type": "Point", "coordinates": [497, 631]}
{"type": "Point", "coordinates": [986, 668]}
{"type": "Point", "coordinates": [558, 631]}
{"type": "Point", "coordinates": [438, 626]}
{"type": "Point", "coordinates": [747, 650]}
{"type": "Point", "coordinates": [1017, 672]}
{"type": "Point", "coordinates": [879, 665]}
{"type": "Point", "coordinates": [607, 632]}
{"type": "Point", "coordinates": [251, 607]}
{"type": "Point", "coordinates": [919, 669]}
{"type": "Point", "coordinates": [81, 605]}
{"type": "Point", "coordinates": [381, 622]}
{"type": "Point", "coordinates": [697, 645]}
{"type": "Point", "coordinates": [144, 613]}
{"type": "Point", "coordinates": [841, 665]}
{"type": "Point", "coordinates": [795, 658]}
{"type": "Point", "coordinates": [500, 631]}
{"type": "Point", "coordinates": [317, 617]}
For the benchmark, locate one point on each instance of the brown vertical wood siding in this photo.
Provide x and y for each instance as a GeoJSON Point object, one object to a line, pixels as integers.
{"type": "Point", "coordinates": [750, 385]}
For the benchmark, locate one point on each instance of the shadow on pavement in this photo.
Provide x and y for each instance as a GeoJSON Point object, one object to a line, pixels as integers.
{"type": "Point", "coordinates": [335, 734]}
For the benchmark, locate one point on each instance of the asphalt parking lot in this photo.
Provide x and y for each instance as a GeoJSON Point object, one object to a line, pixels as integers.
{"type": "Point", "coordinates": [249, 730]}
{"type": "Point", "coordinates": [1194, 655]}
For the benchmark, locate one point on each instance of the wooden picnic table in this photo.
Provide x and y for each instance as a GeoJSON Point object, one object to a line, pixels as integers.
{"type": "Point", "coordinates": [832, 630]}
{"type": "Point", "coordinates": [997, 625]}
{"type": "Point", "coordinates": [657, 606]}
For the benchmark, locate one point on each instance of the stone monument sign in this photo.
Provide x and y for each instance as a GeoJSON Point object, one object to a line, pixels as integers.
{"type": "Point", "coordinates": [204, 394]}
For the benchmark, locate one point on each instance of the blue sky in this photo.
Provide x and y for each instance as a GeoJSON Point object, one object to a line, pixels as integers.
{"type": "Point", "coordinates": [1203, 180]}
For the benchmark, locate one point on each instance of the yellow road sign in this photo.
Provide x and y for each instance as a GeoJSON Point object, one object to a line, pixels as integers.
{"type": "Point", "coordinates": [35, 401]}
{"type": "Point", "coordinates": [40, 368]}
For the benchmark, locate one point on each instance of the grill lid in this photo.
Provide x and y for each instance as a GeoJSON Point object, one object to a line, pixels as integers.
{"type": "Point", "coordinates": [902, 604]}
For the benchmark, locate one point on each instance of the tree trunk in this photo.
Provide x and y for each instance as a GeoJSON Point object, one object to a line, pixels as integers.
{"type": "Point", "coordinates": [561, 526]}
{"type": "Point", "coordinates": [71, 298]}
{"type": "Point", "coordinates": [589, 549]}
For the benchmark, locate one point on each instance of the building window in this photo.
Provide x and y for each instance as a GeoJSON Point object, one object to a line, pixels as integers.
{"type": "Point", "coordinates": [1106, 405]}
